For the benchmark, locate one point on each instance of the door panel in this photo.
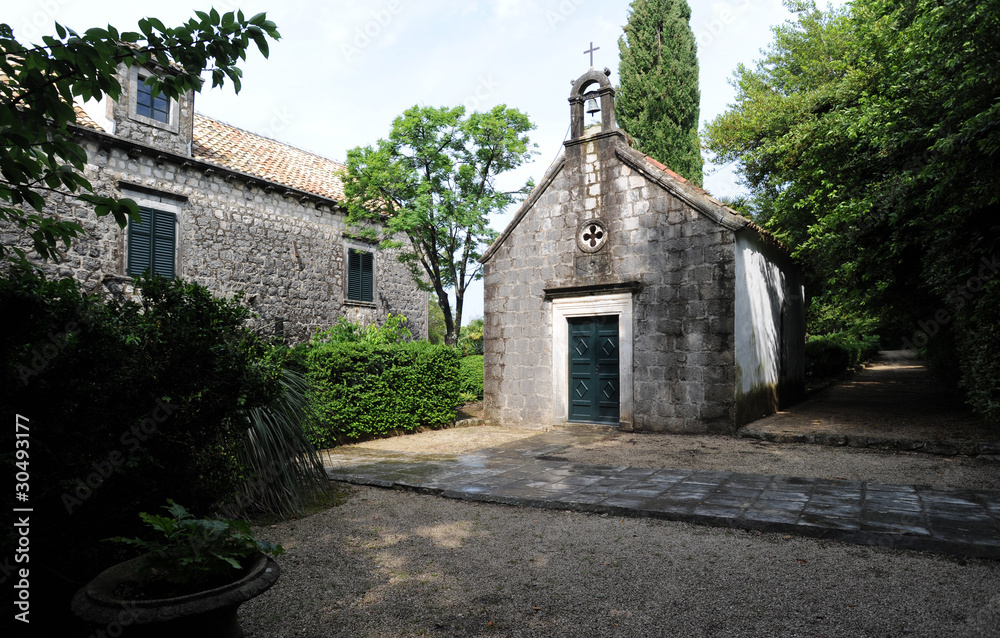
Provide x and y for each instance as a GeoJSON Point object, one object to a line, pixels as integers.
{"type": "Point", "coordinates": [593, 369]}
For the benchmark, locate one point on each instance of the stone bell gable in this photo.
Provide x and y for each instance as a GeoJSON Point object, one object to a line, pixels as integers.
{"type": "Point", "coordinates": [620, 293]}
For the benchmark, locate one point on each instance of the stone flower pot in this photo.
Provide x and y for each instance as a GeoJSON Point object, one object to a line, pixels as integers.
{"type": "Point", "coordinates": [205, 613]}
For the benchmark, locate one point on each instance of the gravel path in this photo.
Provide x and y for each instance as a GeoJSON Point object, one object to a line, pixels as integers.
{"type": "Point", "coordinates": [390, 563]}
{"type": "Point", "coordinates": [393, 563]}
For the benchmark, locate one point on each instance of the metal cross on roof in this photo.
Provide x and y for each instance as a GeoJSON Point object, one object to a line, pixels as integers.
{"type": "Point", "coordinates": [591, 52]}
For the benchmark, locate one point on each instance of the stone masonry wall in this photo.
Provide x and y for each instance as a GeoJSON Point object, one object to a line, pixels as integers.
{"type": "Point", "coordinates": [287, 255]}
{"type": "Point", "coordinates": [683, 377]}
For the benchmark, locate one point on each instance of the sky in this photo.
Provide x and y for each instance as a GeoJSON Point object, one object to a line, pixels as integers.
{"type": "Point", "coordinates": [343, 70]}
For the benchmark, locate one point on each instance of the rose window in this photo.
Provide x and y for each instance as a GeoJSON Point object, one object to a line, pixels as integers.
{"type": "Point", "coordinates": [592, 236]}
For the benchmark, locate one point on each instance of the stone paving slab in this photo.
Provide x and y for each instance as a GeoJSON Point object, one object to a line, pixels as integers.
{"type": "Point", "coordinates": [961, 522]}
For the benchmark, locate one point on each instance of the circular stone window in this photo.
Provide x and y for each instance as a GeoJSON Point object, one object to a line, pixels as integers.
{"type": "Point", "coordinates": [591, 236]}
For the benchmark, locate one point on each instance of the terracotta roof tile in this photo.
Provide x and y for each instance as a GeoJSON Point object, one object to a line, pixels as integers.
{"type": "Point", "coordinates": [664, 168]}
{"type": "Point", "coordinates": [265, 158]}
{"type": "Point", "coordinates": [83, 120]}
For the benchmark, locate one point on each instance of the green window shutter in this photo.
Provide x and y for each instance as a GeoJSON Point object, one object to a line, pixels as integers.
{"type": "Point", "coordinates": [140, 244]}
{"type": "Point", "coordinates": [163, 244]}
{"type": "Point", "coordinates": [367, 278]}
{"type": "Point", "coordinates": [151, 243]}
{"type": "Point", "coordinates": [353, 274]}
{"type": "Point", "coordinates": [360, 280]}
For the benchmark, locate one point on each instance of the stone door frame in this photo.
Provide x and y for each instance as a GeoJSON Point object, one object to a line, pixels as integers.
{"type": "Point", "coordinates": [591, 306]}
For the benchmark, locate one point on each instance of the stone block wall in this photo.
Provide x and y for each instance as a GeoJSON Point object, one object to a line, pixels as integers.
{"type": "Point", "coordinates": [684, 345]}
{"type": "Point", "coordinates": [517, 335]}
{"type": "Point", "coordinates": [285, 252]}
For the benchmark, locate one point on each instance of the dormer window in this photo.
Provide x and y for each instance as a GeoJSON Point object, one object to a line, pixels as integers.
{"type": "Point", "coordinates": [158, 110]}
{"type": "Point", "coordinates": [147, 105]}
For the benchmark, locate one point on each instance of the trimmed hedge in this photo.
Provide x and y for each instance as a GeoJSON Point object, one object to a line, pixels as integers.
{"type": "Point", "coordinates": [470, 375]}
{"type": "Point", "coordinates": [365, 390]}
{"type": "Point", "coordinates": [829, 355]}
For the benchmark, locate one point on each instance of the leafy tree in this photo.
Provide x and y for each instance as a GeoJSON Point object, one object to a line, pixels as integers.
{"type": "Point", "coordinates": [868, 138]}
{"type": "Point", "coordinates": [786, 135]}
{"type": "Point", "coordinates": [436, 329]}
{"type": "Point", "coordinates": [433, 180]}
{"type": "Point", "coordinates": [658, 100]}
{"type": "Point", "coordinates": [39, 83]}
{"type": "Point", "coordinates": [470, 338]}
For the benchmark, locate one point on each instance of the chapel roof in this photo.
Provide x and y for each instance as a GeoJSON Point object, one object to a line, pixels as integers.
{"type": "Point", "coordinates": [742, 220]}
{"type": "Point", "coordinates": [695, 196]}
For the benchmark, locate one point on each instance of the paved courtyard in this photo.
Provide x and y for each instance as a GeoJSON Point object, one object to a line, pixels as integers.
{"type": "Point", "coordinates": [533, 470]}
{"type": "Point", "coordinates": [965, 522]}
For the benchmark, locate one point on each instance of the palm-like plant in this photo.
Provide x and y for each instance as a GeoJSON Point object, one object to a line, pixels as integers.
{"type": "Point", "coordinates": [285, 470]}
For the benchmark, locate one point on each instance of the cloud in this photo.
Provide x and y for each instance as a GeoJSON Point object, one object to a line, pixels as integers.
{"type": "Point", "coordinates": [513, 9]}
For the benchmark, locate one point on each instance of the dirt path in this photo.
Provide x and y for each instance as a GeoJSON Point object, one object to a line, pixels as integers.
{"type": "Point", "coordinates": [894, 398]}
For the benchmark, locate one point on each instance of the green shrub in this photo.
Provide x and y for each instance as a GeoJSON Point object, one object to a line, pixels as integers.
{"type": "Point", "coordinates": [831, 354]}
{"type": "Point", "coordinates": [977, 339]}
{"type": "Point", "coordinates": [394, 330]}
{"type": "Point", "coordinates": [470, 374]}
{"type": "Point", "coordinates": [155, 385]}
{"type": "Point", "coordinates": [128, 404]}
{"type": "Point", "coordinates": [363, 389]}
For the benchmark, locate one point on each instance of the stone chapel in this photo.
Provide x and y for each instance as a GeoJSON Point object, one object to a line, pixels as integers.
{"type": "Point", "coordinates": [622, 294]}
{"type": "Point", "coordinates": [226, 208]}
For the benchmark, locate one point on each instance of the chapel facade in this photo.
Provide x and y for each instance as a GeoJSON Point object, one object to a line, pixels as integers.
{"type": "Point", "coordinates": [622, 294]}
{"type": "Point", "coordinates": [228, 209]}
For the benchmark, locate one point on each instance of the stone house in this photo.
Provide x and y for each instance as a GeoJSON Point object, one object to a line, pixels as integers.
{"type": "Point", "coordinates": [228, 209]}
{"type": "Point", "coordinates": [622, 294]}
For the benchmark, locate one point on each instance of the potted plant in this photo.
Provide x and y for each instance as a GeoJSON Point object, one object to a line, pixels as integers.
{"type": "Point", "coordinates": [191, 579]}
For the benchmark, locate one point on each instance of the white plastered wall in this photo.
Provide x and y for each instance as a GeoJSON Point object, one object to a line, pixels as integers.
{"type": "Point", "coordinates": [760, 292]}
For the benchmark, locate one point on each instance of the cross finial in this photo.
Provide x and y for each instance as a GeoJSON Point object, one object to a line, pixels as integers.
{"type": "Point", "coordinates": [591, 52]}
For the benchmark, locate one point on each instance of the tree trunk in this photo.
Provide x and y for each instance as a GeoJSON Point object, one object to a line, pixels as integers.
{"type": "Point", "coordinates": [450, 333]}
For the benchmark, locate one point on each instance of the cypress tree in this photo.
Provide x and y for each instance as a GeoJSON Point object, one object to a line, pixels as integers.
{"type": "Point", "coordinates": [658, 100]}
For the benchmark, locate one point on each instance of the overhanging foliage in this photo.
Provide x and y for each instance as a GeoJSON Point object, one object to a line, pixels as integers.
{"type": "Point", "coordinates": [38, 84]}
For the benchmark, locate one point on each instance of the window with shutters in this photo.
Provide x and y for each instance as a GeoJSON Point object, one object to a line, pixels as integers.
{"type": "Point", "coordinates": [360, 275]}
{"type": "Point", "coordinates": [152, 244]}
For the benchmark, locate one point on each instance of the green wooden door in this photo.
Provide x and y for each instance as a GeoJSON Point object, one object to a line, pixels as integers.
{"type": "Point", "coordinates": [593, 369]}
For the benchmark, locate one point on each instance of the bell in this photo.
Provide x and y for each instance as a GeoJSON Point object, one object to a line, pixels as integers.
{"type": "Point", "coordinates": [591, 106]}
